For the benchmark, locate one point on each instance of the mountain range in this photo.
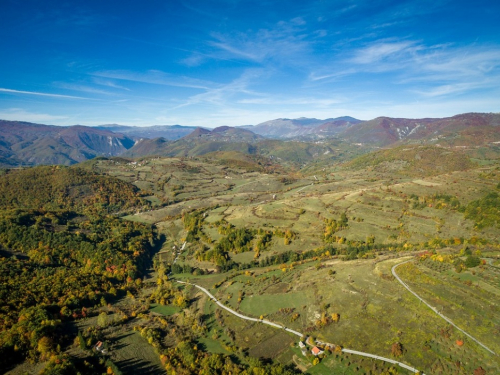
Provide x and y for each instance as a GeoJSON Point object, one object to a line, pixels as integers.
{"type": "Point", "coordinates": [170, 132]}
{"type": "Point", "coordinates": [303, 127]}
{"type": "Point", "coordinates": [23, 143]}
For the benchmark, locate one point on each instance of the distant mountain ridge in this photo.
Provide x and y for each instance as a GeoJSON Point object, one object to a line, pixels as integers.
{"type": "Point", "coordinates": [169, 132]}
{"type": "Point", "coordinates": [284, 128]}
{"type": "Point", "coordinates": [225, 134]}
{"type": "Point", "coordinates": [199, 142]}
{"type": "Point", "coordinates": [23, 143]}
{"type": "Point", "coordinates": [466, 129]}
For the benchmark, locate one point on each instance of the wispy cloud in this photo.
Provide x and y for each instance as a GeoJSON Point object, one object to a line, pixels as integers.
{"type": "Point", "coordinates": [430, 70]}
{"type": "Point", "coordinates": [155, 77]}
{"type": "Point", "coordinates": [195, 59]}
{"type": "Point", "coordinates": [42, 94]}
{"type": "Point", "coordinates": [109, 83]}
{"type": "Point", "coordinates": [320, 76]}
{"type": "Point", "coordinates": [81, 88]}
{"type": "Point", "coordinates": [283, 42]}
{"type": "Point", "coordinates": [306, 101]}
{"type": "Point", "coordinates": [453, 88]}
{"type": "Point", "coordinates": [383, 50]}
{"type": "Point", "coordinates": [463, 62]}
{"type": "Point", "coordinates": [221, 94]}
{"type": "Point", "coordinates": [19, 114]}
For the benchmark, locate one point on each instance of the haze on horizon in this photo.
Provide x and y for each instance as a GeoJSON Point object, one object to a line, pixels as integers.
{"type": "Point", "coordinates": [230, 62]}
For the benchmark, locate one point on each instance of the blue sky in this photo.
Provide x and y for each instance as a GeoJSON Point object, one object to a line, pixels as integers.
{"type": "Point", "coordinates": [230, 62]}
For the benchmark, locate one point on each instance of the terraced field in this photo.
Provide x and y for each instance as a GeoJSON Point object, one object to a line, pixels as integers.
{"type": "Point", "coordinates": [388, 217]}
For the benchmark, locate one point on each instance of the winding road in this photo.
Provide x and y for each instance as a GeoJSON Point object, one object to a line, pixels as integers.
{"type": "Point", "coordinates": [275, 325]}
{"type": "Point", "coordinates": [434, 309]}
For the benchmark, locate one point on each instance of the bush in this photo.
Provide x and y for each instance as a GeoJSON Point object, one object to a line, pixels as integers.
{"type": "Point", "coordinates": [472, 261]}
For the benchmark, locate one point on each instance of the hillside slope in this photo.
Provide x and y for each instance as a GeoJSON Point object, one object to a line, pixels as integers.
{"type": "Point", "coordinates": [464, 129]}
{"type": "Point", "coordinates": [169, 132]}
{"type": "Point", "coordinates": [32, 144]}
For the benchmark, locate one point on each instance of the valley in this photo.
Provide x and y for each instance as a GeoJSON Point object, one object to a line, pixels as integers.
{"type": "Point", "coordinates": [313, 249]}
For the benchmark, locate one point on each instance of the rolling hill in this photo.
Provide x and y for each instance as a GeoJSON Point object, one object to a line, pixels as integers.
{"type": "Point", "coordinates": [201, 141]}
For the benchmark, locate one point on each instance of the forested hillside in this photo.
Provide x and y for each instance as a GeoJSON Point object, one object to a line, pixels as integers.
{"type": "Point", "coordinates": [61, 254]}
{"type": "Point", "coordinates": [56, 187]}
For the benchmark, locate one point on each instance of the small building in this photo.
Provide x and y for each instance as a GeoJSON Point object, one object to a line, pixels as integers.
{"type": "Point", "coordinates": [99, 346]}
{"type": "Point", "coordinates": [316, 351]}
{"type": "Point", "coordinates": [301, 344]}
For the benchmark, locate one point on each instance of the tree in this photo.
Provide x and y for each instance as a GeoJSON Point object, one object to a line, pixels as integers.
{"type": "Point", "coordinates": [81, 341]}
{"type": "Point", "coordinates": [472, 261]}
{"type": "Point", "coordinates": [45, 345]}
{"type": "Point", "coordinates": [102, 320]}
{"type": "Point", "coordinates": [397, 349]}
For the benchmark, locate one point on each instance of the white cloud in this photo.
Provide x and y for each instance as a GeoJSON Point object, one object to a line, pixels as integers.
{"type": "Point", "coordinates": [380, 51]}
{"type": "Point", "coordinates": [285, 42]}
{"type": "Point", "coordinates": [42, 94]}
{"type": "Point", "coordinates": [155, 77]}
{"type": "Point", "coordinates": [223, 94]}
{"type": "Point", "coordinates": [81, 88]}
{"type": "Point", "coordinates": [109, 83]}
{"type": "Point", "coordinates": [433, 70]}
{"type": "Point", "coordinates": [194, 60]}
{"type": "Point", "coordinates": [17, 114]}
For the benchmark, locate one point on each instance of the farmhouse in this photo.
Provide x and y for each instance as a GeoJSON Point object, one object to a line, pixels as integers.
{"type": "Point", "coordinates": [316, 351]}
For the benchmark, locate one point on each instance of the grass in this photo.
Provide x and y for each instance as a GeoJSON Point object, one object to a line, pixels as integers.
{"type": "Point", "coordinates": [212, 346]}
{"type": "Point", "coordinates": [132, 354]}
{"type": "Point", "coordinates": [140, 218]}
{"type": "Point", "coordinates": [264, 304]}
{"type": "Point", "coordinates": [460, 302]}
{"type": "Point", "coordinates": [164, 309]}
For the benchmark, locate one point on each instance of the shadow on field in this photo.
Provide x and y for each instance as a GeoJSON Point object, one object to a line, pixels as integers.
{"type": "Point", "coordinates": [137, 366]}
{"type": "Point", "coordinates": [115, 343]}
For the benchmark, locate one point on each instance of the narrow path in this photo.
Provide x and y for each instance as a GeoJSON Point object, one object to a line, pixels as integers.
{"type": "Point", "coordinates": [264, 321]}
{"type": "Point", "coordinates": [302, 188]}
{"type": "Point", "coordinates": [434, 309]}
{"type": "Point", "coordinates": [251, 182]}
{"type": "Point", "coordinates": [179, 253]}
{"type": "Point", "coordinates": [355, 352]}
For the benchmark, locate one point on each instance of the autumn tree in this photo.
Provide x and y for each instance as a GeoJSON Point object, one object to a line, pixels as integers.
{"type": "Point", "coordinates": [397, 349]}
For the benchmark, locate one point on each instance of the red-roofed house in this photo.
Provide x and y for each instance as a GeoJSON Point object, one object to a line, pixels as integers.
{"type": "Point", "coordinates": [316, 351]}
